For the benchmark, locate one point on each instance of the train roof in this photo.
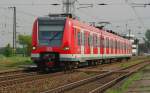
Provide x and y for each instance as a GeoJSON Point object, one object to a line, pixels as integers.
{"type": "Point", "coordinates": [95, 28]}
{"type": "Point", "coordinates": [79, 23]}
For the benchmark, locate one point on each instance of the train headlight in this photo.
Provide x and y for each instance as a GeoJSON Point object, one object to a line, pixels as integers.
{"type": "Point", "coordinates": [33, 48]}
{"type": "Point", "coordinates": [66, 48]}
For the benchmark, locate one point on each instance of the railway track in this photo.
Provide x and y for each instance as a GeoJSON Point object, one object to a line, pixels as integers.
{"type": "Point", "coordinates": [98, 83]}
{"type": "Point", "coordinates": [9, 79]}
{"type": "Point", "coordinates": [16, 74]}
{"type": "Point", "coordinates": [20, 71]}
{"type": "Point", "coordinates": [6, 73]}
{"type": "Point", "coordinates": [15, 77]}
{"type": "Point", "coordinates": [12, 80]}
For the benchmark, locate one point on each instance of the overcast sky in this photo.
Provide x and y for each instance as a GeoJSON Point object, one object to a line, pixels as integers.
{"type": "Point", "coordinates": [117, 12]}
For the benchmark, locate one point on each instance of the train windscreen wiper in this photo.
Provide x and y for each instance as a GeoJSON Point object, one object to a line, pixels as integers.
{"type": "Point", "coordinates": [54, 36]}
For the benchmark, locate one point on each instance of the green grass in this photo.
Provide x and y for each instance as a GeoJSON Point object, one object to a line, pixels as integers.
{"type": "Point", "coordinates": [135, 60]}
{"type": "Point", "coordinates": [13, 62]}
{"type": "Point", "coordinates": [124, 87]}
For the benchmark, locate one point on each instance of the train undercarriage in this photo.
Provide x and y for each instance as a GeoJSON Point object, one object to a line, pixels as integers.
{"type": "Point", "coordinates": [50, 61]}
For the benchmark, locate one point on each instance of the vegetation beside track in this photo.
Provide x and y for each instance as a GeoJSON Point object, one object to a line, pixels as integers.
{"type": "Point", "coordinates": [123, 87]}
{"type": "Point", "coordinates": [14, 62]}
{"type": "Point", "coordinates": [56, 81]}
{"type": "Point", "coordinates": [135, 60]}
{"type": "Point", "coordinates": [126, 84]}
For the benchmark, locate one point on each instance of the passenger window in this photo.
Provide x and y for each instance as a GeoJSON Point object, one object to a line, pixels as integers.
{"type": "Point", "coordinates": [79, 38]}
{"type": "Point", "coordinates": [116, 44]}
{"type": "Point", "coordinates": [75, 34]}
{"type": "Point", "coordinates": [101, 42]}
{"type": "Point", "coordinates": [94, 40]}
{"type": "Point", "coordinates": [96, 43]}
{"type": "Point", "coordinates": [107, 43]}
{"type": "Point", "coordinates": [91, 39]}
{"type": "Point", "coordinates": [110, 43]}
{"type": "Point", "coordinates": [104, 42]}
{"type": "Point", "coordinates": [85, 37]}
{"type": "Point", "coordinates": [88, 40]}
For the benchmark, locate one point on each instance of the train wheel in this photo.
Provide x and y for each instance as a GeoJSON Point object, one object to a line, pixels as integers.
{"type": "Point", "coordinates": [69, 66]}
{"type": "Point", "coordinates": [89, 63]}
{"type": "Point", "coordinates": [46, 70]}
{"type": "Point", "coordinates": [75, 64]}
{"type": "Point", "coordinates": [103, 61]}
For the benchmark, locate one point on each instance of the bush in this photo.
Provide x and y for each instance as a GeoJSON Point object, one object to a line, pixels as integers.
{"type": "Point", "coordinates": [2, 57]}
{"type": "Point", "coordinates": [8, 51]}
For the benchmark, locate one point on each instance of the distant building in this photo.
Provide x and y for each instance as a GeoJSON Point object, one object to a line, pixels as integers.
{"type": "Point", "coordinates": [135, 44]}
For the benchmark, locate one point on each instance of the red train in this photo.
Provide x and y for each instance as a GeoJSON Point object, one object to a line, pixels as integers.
{"type": "Point", "coordinates": [59, 40]}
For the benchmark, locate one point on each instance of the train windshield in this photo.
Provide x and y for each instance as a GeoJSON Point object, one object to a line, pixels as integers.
{"type": "Point", "coordinates": [50, 32]}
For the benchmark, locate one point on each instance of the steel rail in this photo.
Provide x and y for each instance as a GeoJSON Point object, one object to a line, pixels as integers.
{"type": "Point", "coordinates": [113, 82]}
{"type": "Point", "coordinates": [73, 85]}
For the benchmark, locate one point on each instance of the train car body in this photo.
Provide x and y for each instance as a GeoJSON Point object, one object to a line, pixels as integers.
{"type": "Point", "coordinates": [57, 41]}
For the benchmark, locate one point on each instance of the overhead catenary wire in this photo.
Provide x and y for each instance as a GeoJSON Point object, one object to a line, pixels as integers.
{"type": "Point", "coordinates": [136, 14]}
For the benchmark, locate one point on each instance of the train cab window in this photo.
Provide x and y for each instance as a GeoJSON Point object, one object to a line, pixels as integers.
{"type": "Point", "coordinates": [50, 32]}
{"type": "Point", "coordinates": [79, 38]}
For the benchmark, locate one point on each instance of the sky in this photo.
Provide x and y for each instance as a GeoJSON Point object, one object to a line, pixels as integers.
{"type": "Point", "coordinates": [121, 15]}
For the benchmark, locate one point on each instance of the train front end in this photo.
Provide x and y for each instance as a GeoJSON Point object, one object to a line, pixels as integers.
{"type": "Point", "coordinates": [47, 39]}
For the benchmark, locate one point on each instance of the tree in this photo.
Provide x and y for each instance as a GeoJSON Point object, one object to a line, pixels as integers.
{"type": "Point", "coordinates": [25, 41]}
{"type": "Point", "coordinates": [147, 40]}
{"type": "Point", "coordinates": [8, 51]}
{"type": "Point", "coordinates": [147, 35]}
